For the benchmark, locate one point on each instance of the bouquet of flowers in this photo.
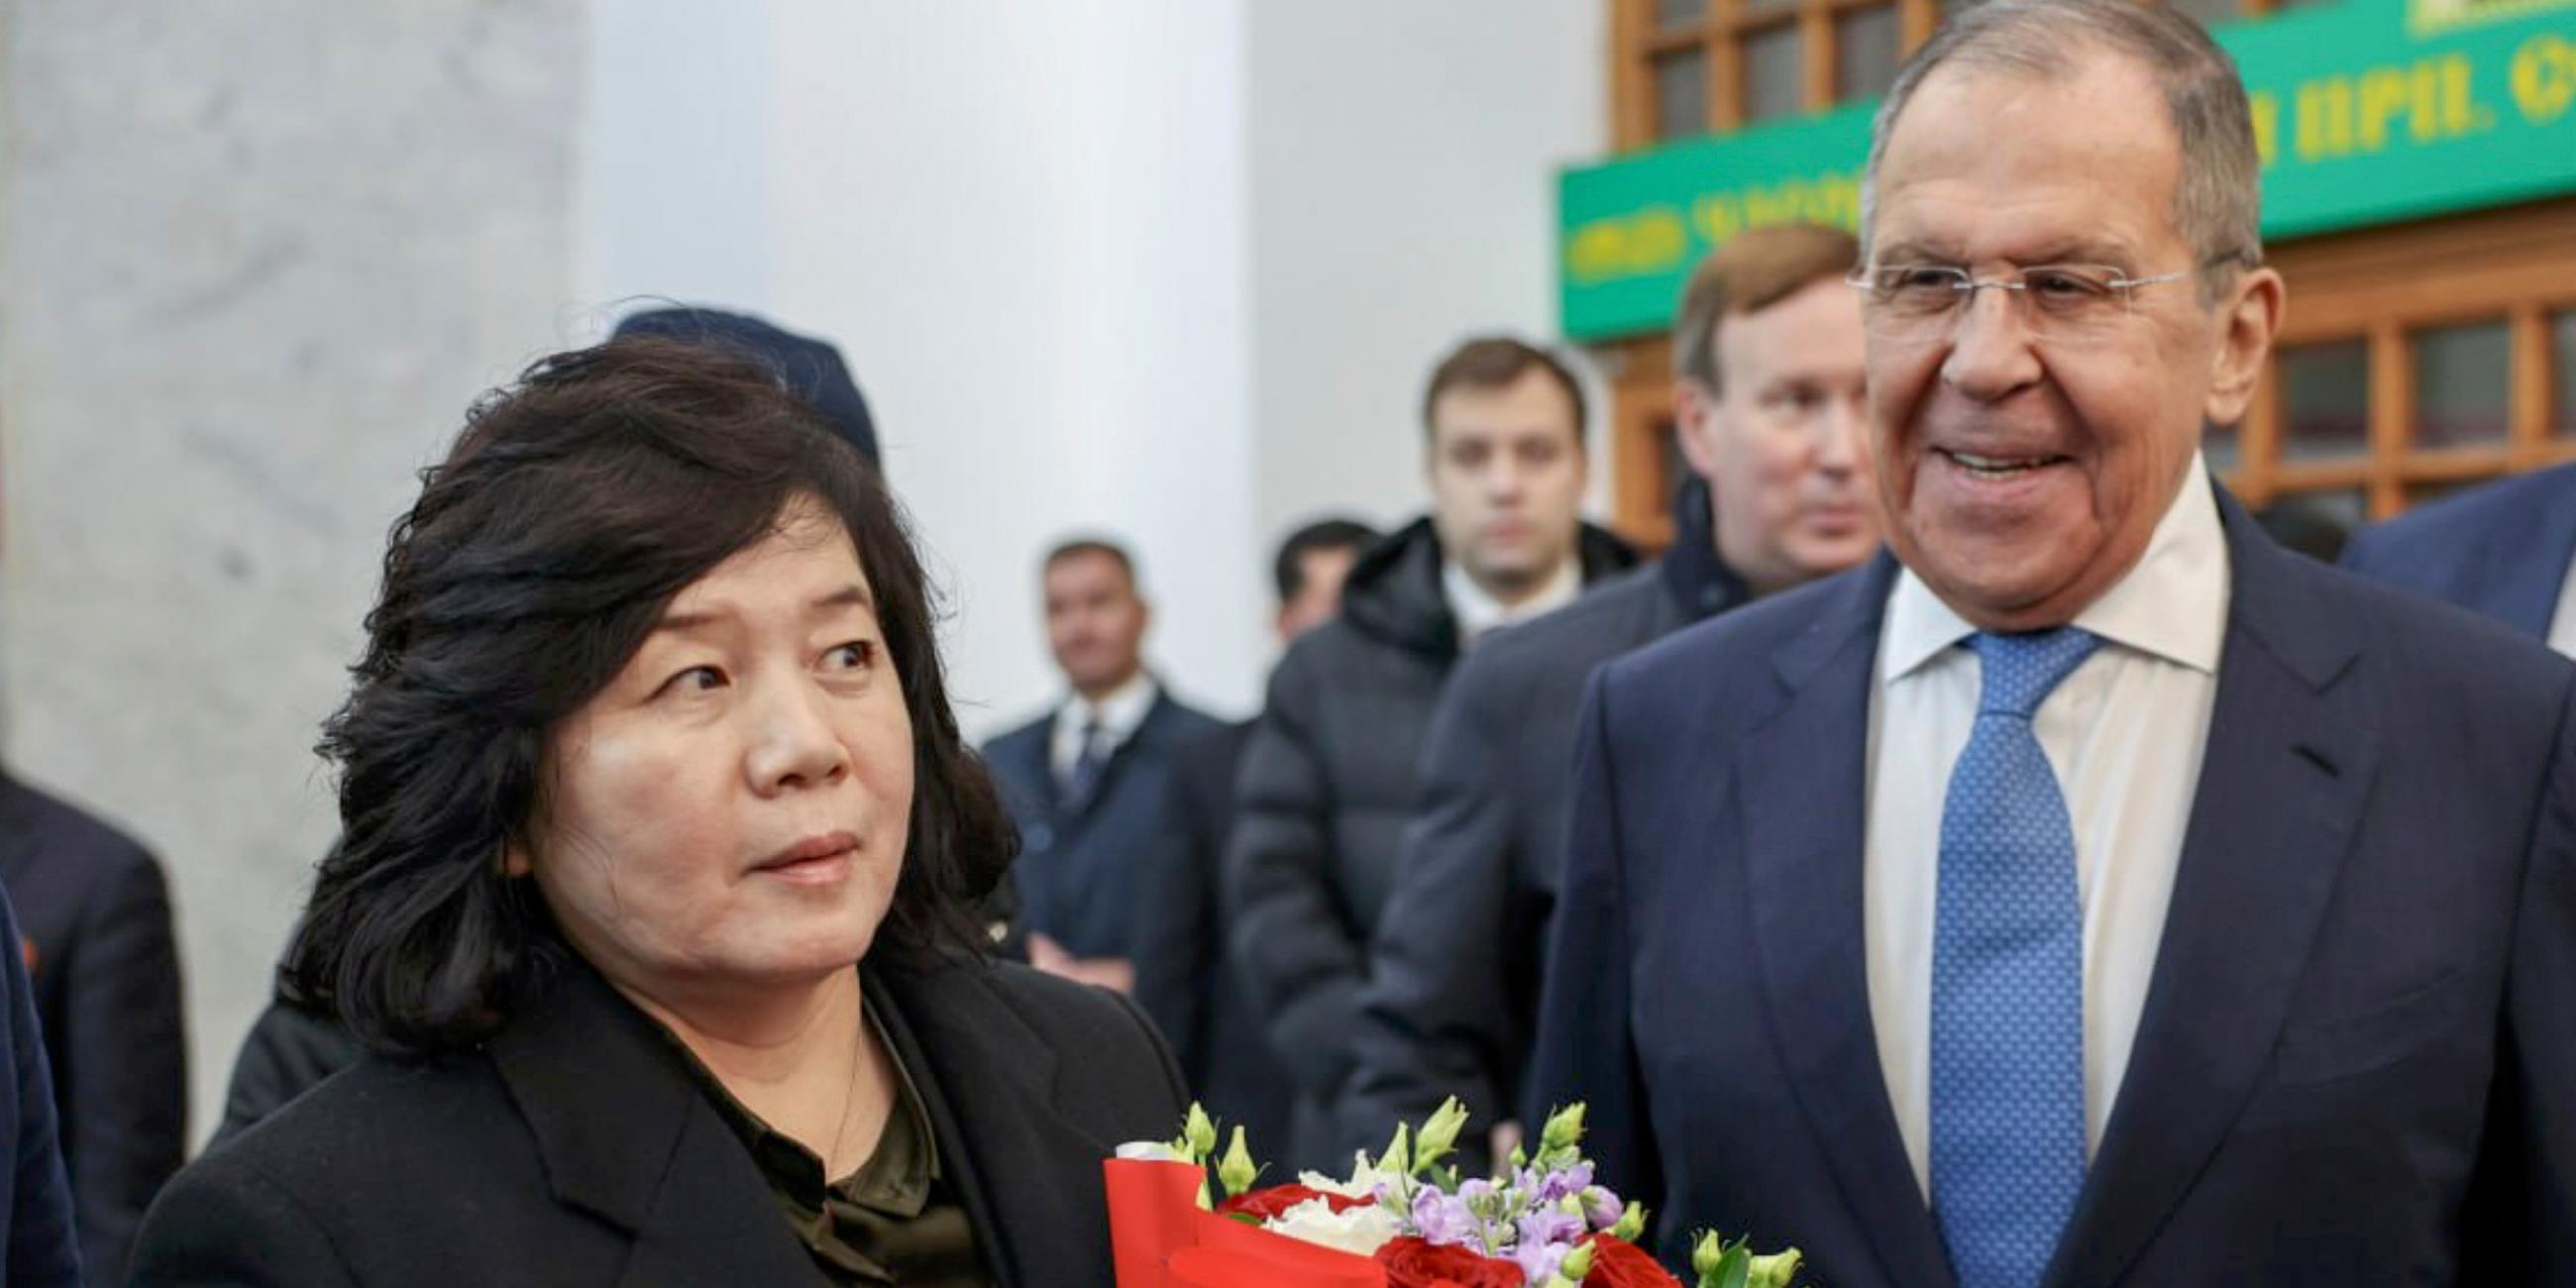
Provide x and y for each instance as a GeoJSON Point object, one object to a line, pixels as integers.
{"type": "Point", "coordinates": [1183, 1216]}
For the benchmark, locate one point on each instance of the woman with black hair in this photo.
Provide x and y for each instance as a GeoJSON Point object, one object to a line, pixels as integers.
{"type": "Point", "coordinates": [654, 897]}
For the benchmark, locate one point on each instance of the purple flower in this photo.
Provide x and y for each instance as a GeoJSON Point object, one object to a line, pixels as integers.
{"type": "Point", "coordinates": [1441, 1218]}
{"type": "Point", "coordinates": [1539, 1260]}
{"type": "Point", "coordinates": [1603, 1208]}
{"type": "Point", "coordinates": [1551, 1226]}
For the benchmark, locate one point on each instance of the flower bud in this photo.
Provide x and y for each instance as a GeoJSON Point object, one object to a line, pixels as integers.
{"type": "Point", "coordinates": [1398, 1158]}
{"type": "Point", "coordinates": [1774, 1271]}
{"type": "Point", "coordinates": [1564, 1129]}
{"type": "Point", "coordinates": [1577, 1265]}
{"type": "Point", "coordinates": [1199, 1133]}
{"type": "Point", "coordinates": [1237, 1171]}
{"type": "Point", "coordinates": [1439, 1134]}
{"type": "Point", "coordinates": [1633, 1223]}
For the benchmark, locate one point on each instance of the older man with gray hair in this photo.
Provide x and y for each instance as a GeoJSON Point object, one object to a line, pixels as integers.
{"type": "Point", "coordinates": [2091, 892]}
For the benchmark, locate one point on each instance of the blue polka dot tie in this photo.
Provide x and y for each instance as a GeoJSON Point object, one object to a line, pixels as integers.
{"type": "Point", "coordinates": [2008, 980]}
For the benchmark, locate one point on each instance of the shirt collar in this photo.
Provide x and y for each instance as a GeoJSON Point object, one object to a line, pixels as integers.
{"type": "Point", "coordinates": [1120, 712]}
{"type": "Point", "coordinates": [1478, 612]}
{"type": "Point", "coordinates": [2173, 605]}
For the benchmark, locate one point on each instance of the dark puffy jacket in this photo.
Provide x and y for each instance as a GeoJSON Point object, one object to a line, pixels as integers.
{"type": "Point", "coordinates": [1461, 949]}
{"type": "Point", "coordinates": [1325, 790]}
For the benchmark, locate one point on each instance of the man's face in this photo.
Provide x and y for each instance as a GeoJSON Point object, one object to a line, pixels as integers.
{"type": "Point", "coordinates": [1784, 442]}
{"type": "Point", "coordinates": [1095, 621]}
{"type": "Point", "coordinates": [1319, 595]}
{"type": "Point", "coordinates": [1507, 474]}
{"type": "Point", "coordinates": [2022, 470]}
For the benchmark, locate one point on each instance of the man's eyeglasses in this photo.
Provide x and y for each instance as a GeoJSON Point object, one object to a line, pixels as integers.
{"type": "Point", "coordinates": [2063, 298]}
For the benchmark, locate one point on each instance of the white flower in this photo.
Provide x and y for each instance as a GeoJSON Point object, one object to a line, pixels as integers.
{"type": "Point", "coordinates": [1151, 1151]}
{"type": "Point", "coordinates": [1360, 1230]}
{"type": "Point", "coordinates": [1364, 1182]}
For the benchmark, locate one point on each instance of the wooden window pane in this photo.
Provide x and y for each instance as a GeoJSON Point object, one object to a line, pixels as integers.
{"type": "Point", "coordinates": [2325, 401]}
{"type": "Point", "coordinates": [2211, 12]}
{"type": "Point", "coordinates": [1681, 94]}
{"type": "Point", "coordinates": [2562, 342]}
{"type": "Point", "coordinates": [1774, 74]}
{"type": "Point", "coordinates": [2463, 384]}
{"type": "Point", "coordinates": [1865, 52]}
{"type": "Point", "coordinates": [1679, 13]}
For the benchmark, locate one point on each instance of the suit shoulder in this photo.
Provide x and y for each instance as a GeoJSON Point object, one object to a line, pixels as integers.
{"type": "Point", "coordinates": [2470, 651]}
{"type": "Point", "coordinates": [1735, 639]}
{"type": "Point", "coordinates": [68, 830]}
{"type": "Point", "coordinates": [1059, 1010]}
{"type": "Point", "coordinates": [1020, 736]}
{"type": "Point", "coordinates": [2465, 518]}
{"type": "Point", "coordinates": [334, 1138]}
{"type": "Point", "coordinates": [1607, 621]}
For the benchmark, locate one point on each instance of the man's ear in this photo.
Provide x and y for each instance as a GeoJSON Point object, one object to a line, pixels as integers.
{"type": "Point", "coordinates": [1693, 405]}
{"type": "Point", "coordinates": [2251, 317]}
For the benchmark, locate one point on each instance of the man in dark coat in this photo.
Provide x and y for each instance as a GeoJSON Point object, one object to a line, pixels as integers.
{"type": "Point", "coordinates": [95, 914]}
{"type": "Point", "coordinates": [1769, 404]}
{"type": "Point", "coordinates": [1185, 980]}
{"type": "Point", "coordinates": [37, 1247]}
{"type": "Point", "coordinates": [2507, 550]}
{"type": "Point", "coordinates": [1088, 783]}
{"type": "Point", "coordinates": [1328, 778]}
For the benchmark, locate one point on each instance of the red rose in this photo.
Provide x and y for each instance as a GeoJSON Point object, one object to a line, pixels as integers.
{"type": "Point", "coordinates": [1274, 1202]}
{"type": "Point", "coordinates": [1412, 1263]}
{"type": "Point", "coordinates": [1618, 1264]}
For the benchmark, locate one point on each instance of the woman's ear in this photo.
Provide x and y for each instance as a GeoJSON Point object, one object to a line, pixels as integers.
{"type": "Point", "coordinates": [514, 860]}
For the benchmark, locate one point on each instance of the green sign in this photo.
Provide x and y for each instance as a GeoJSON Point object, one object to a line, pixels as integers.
{"type": "Point", "coordinates": [2365, 111]}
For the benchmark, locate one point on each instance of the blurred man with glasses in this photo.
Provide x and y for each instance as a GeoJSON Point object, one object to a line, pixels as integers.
{"type": "Point", "coordinates": [2092, 892]}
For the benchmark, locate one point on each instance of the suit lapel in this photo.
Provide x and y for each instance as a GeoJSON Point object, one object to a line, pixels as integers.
{"type": "Point", "coordinates": [1799, 788]}
{"type": "Point", "coordinates": [2289, 757]}
{"type": "Point", "coordinates": [624, 1136]}
{"type": "Point", "coordinates": [988, 1083]}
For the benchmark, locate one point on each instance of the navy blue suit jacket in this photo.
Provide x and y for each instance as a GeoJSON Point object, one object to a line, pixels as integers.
{"type": "Point", "coordinates": [35, 1194]}
{"type": "Point", "coordinates": [1081, 865]}
{"type": "Point", "coordinates": [93, 905]}
{"type": "Point", "coordinates": [2501, 549]}
{"type": "Point", "coordinates": [2357, 1060]}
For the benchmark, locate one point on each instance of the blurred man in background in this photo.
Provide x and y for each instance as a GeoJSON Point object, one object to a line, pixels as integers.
{"type": "Point", "coordinates": [94, 911]}
{"type": "Point", "coordinates": [1328, 777]}
{"type": "Point", "coordinates": [1184, 978]}
{"type": "Point", "coordinates": [1088, 782]}
{"type": "Point", "coordinates": [1769, 410]}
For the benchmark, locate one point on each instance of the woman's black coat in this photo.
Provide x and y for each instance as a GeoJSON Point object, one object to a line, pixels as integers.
{"type": "Point", "coordinates": [572, 1150]}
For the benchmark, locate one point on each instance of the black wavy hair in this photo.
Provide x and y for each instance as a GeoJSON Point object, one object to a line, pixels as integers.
{"type": "Point", "coordinates": [572, 508]}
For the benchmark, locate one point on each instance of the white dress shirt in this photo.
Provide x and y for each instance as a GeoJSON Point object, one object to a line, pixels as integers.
{"type": "Point", "coordinates": [1119, 712]}
{"type": "Point", "coordinates": [2124, 732]}
{"type": "Point", "coordinates": [2562, 624]}
{"type": "Point", "coordinates": [1480, 614]}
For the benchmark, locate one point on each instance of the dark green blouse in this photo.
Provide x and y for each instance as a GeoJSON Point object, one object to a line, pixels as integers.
{"type": "Point", "coordinates": [895, 1221]}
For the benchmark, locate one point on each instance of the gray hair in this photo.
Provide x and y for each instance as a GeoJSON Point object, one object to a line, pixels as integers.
{"type": "Point", "coordinates": [2218, 200]}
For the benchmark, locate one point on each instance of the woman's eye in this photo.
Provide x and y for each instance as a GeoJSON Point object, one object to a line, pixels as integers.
{"type": "Point", "coordinates": [697, 679]}
{"type": "Point", "coordinates": [852, 656]}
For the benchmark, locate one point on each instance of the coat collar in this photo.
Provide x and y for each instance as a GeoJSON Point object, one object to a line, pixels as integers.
{"type": "Point", "coordinates": [624, 1135]}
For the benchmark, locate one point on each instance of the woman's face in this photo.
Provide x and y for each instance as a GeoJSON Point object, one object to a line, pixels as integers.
{"type": "Point", "coordinates": [731, 810]}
